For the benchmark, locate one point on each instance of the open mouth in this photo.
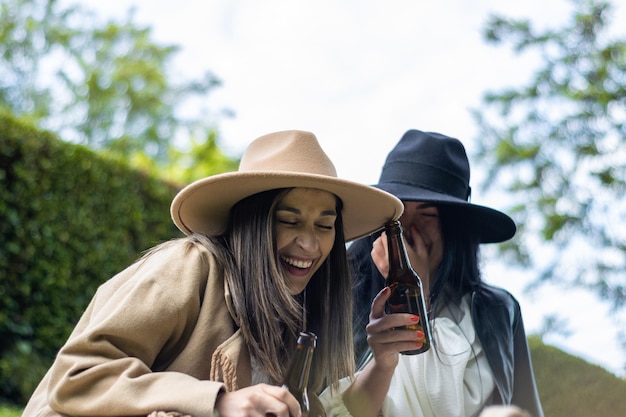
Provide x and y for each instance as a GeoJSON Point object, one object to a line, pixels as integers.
{"type": "Point", "coordinates": [296, 263]}
{"type": "Point", "coordinates": [296, 267]}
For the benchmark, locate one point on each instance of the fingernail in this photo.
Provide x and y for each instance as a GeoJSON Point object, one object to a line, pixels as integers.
{"type": "Point", "coordinates": [420, 334]}
{"type": "Point", "coordinates": [415, 319]}
{"type": "Point", "coordinates": [419, 344]}
{"type": "Point", "coordinates": [385, 290]}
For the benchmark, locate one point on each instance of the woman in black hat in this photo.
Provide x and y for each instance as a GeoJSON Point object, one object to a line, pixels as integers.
{"type": "Point", "coordinates": [480, 355]}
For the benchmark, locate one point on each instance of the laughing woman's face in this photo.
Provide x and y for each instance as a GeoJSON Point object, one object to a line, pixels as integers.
{"type": "Point", "coordinates": [305, 233]}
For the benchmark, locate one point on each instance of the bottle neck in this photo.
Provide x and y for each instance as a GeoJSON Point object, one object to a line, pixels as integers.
{"type": "Point", "coordinates": [398, 257]}
{"type": "Point", "coordinates": [298, 376]}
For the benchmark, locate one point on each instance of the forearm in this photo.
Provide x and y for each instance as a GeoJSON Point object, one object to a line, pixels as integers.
{"type": "Point", "coordinates": [111, 390]}
{"type": "Point", "coordinates": [365, 397]}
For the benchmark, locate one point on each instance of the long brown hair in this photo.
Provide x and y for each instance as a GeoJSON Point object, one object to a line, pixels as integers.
{"type": "Point", "coordinates": [269, 316]}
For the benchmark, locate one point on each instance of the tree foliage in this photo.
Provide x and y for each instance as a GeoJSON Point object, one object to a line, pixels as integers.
{"type": "Point", "coordinates": [103, 84]}
{"type": "Point", "coordinates": [557, 146]}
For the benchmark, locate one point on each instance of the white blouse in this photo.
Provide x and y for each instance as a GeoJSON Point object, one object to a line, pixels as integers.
{"type": "Point", "coordinates": [452, 378]}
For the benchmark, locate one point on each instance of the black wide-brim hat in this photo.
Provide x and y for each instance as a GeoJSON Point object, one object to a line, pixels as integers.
{"type": "Point", "coordinates": [432, 167]}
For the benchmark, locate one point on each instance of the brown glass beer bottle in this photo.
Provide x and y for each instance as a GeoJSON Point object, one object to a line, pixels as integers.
{"type": "Point", "coordinates": [297, 377]}
{"type": "Point", "coordinates": [407, 295]}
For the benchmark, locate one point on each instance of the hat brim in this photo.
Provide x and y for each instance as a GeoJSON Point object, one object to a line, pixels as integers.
{"type": "Point", "coordinates": [492, 226]}
{"type": "Point", "coordinates": [204, 205]}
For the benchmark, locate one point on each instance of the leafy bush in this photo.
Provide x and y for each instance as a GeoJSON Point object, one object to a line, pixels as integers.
{"type": "Point", "coordinates": [69, 220]}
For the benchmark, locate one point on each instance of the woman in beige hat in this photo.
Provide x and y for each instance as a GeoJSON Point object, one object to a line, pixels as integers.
{"type": "Point", "coordinates": [207, 323]}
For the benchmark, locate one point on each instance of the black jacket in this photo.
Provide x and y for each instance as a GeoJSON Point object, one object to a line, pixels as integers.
{"type": "Point", "coordinates": [497, 319]}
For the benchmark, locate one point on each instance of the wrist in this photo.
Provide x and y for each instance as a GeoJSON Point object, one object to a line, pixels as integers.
{"type": "Point", "coordinates": [215, 404]}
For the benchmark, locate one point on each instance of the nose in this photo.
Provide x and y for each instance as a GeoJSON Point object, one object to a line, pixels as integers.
{"type": "Point", "coordinates": [307, 240]}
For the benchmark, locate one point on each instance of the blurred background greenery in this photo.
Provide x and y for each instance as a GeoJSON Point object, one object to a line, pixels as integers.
{"type": "Point", "coordinates": [91, 115]}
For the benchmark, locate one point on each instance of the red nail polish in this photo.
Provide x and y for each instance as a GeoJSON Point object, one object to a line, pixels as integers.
{"type": "Point", "coordinates": [385, 290]}
{"type": "Point", "coordinates": [415, 319]}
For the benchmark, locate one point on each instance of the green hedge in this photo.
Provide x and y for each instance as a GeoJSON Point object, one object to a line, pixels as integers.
{"type": "Point", "coordinates": [69, 220]}
{"type": "Point", "coordinates": [570, 386]}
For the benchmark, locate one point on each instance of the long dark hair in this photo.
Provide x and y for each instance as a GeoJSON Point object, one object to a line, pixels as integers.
{"type": "Point", "coordinates": [269, 316]}
{"type": "Point", "coordinates": [458, 272]}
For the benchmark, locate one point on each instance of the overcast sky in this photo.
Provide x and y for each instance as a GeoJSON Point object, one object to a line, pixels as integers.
{"type": "Point", "coordinates": [359, 73]}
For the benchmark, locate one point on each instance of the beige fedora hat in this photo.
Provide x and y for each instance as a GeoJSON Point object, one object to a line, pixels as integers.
{"type": "Point", "coordinates": [284, 159]}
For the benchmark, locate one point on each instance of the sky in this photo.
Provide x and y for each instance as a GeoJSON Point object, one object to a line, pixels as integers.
{"type": "Point", "coordinates": [358, 74]}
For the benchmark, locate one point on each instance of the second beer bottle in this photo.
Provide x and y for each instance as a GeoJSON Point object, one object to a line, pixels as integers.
{"type": "Point", "coordinates": [407, 295]}
{"type": "Point", "coordinates": [297, 377]}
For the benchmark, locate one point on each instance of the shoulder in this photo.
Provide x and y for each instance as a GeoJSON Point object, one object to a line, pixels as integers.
{"type": "Point", "coordinates": [497, 295]}
{"type": "Point", "coordinates": [183, 255]}
{"type": "Point", "coordinates": [194, 247]}
{"type": "Point", "coordinates": [176, 266]}
{"type": "Point", "coordinates": [491, 300]}
{"type": "Point", "coordinates": [164, 290]}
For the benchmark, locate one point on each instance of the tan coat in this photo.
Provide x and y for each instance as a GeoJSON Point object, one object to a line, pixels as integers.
{"type": "Point", "coordinates": [158, 336]}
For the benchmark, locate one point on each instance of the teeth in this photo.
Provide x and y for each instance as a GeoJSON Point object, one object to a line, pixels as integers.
{"type": "Point", "coordinates": [297, 263]}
